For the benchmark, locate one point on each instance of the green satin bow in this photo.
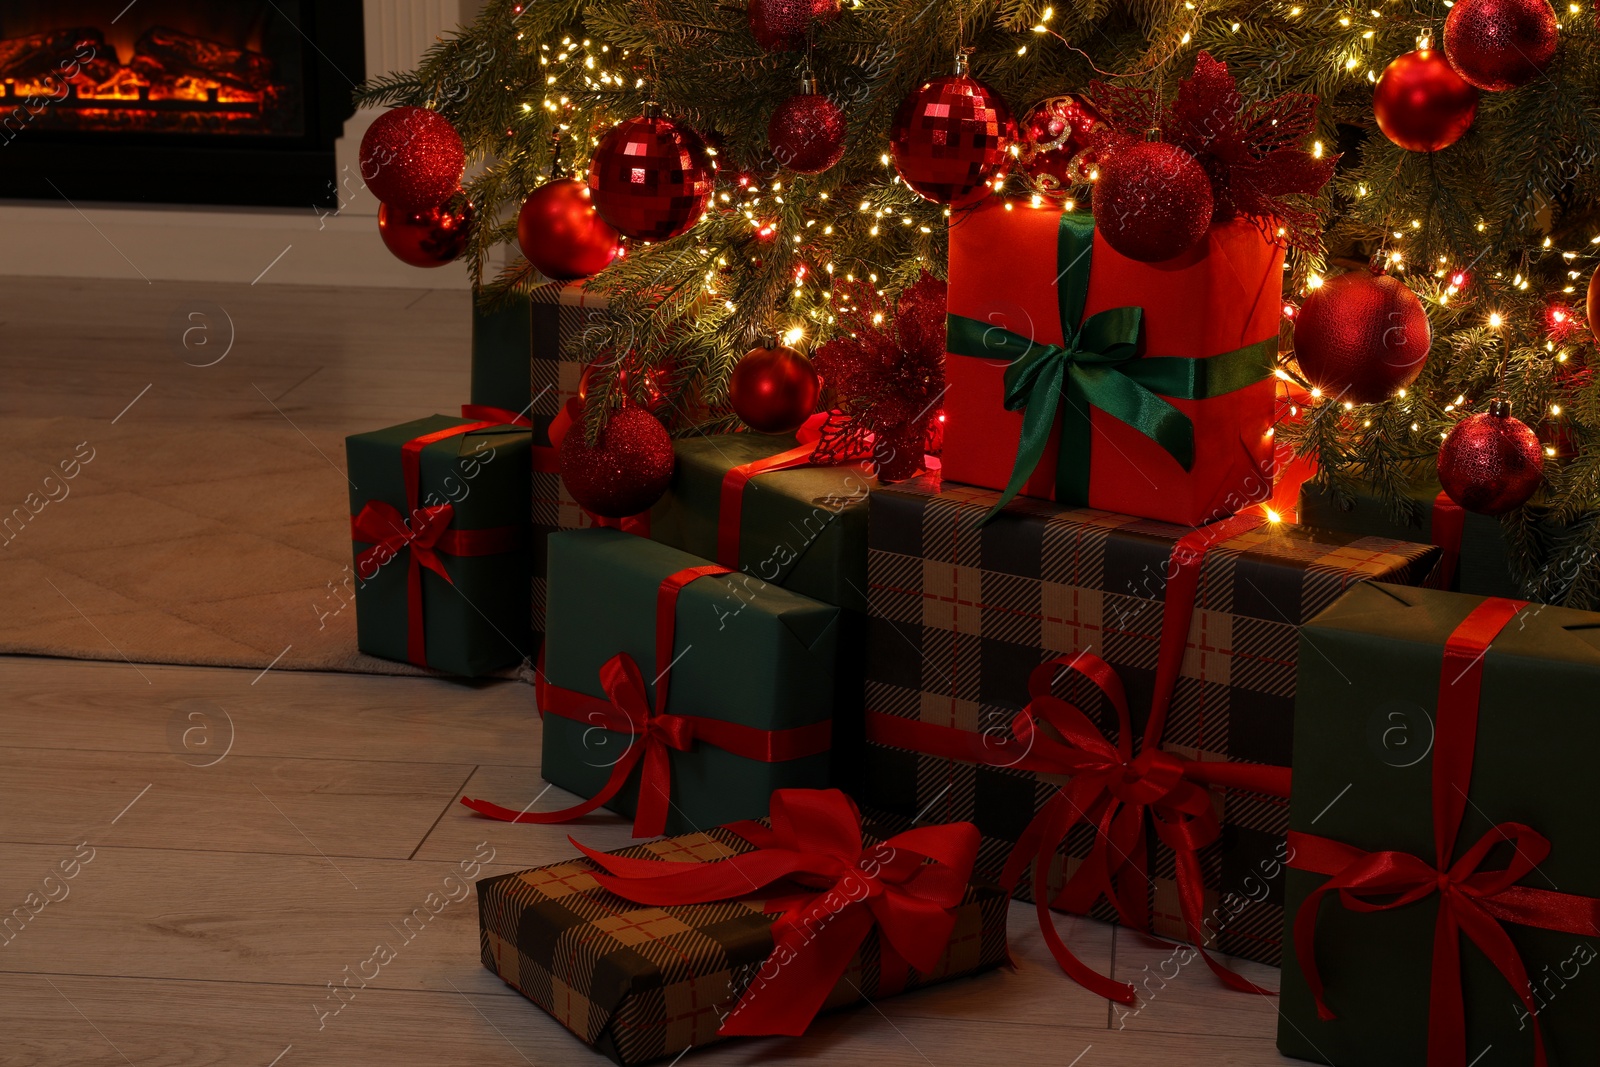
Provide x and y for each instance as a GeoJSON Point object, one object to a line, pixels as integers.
{"type": "Point", "coordinates": [1099, 365]}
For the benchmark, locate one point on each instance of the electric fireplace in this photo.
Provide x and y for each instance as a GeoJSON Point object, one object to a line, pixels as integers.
{"type": "Point", "coordinates": [177, 101]}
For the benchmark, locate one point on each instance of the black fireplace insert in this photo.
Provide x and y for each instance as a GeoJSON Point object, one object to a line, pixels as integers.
{"type": "Point", "coordinates": [176, 101]}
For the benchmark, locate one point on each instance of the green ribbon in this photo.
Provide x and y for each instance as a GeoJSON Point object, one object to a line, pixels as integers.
{"type": "Point", "coordinates": [1098, 365]}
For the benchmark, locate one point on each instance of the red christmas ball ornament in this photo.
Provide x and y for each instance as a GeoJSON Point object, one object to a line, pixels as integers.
{"type": "Point", "coordinates": [782, 25]}
{"type": "Point", "coordinates": [1491, 463]}
{"type": "Point", "coordinates": [562, 235]}
{"type": "Point", "coordinates": [428, 238]}
{"type": "Point", "coordinates": [951, 137]}
{"type": "Point", "coordinates": [412, 158]}
{"type": "Point", "coordinates": [1055, 141]}
{"type": "Point", "coordinates": [1591, 306]}
{"type": "Point", "coordinates": [773, 389]}
{"type": "Point", "coordinates": [1497, 45]}
{"type": "Point", "coordinates": [1361, 336]}
{"type": "Point", "coordinates": [806, 131]}
{"type": "Point", "coordinates": [1421, 104]}
{"type": "Point", "coordinates": [1153, 201]}
{"type": "Point", "coordinates": [650, 177]}
{"type": "Point", "coordinates": [626, 470]}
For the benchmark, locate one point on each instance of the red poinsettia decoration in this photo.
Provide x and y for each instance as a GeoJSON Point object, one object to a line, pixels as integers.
{"type": "Point", "coordinates": [885, 377]}
{"type": "Point", "coordinates": [1251, 151]}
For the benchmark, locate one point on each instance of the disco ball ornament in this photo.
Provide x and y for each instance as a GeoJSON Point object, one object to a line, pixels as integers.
{"type": "Point", "coordinates": [625, 471]}
{"type": "Point", "coordinates": [806, 132]}
{"type": "Point", "coordinates": [562, 235]}
{"type": "Point", "coordinates": [773, 389]}
{"type": "Point", "coordinates": [1055, 141]}
{"type": "Point", "coordinates": [650, 177]}
{"type": "Point", "coordinates": [951, 137]}
{"type": "Point", "coordinates": [1361, 337]}
{"type": "Point", "coordinates": [1497, 45]}
{"type": "Point", "coordinates": [412, 158]}
{"type": "Point", "coordinates": [1421, 104]}
{"type": "Point", "coordinates": [428, 238]}
{"type": "Point", "coordinates": [1153, 201]}
{"type": "Point", "coordinates": [783, 25]}
{"type": "Point", "coordinates": [1491, 463]}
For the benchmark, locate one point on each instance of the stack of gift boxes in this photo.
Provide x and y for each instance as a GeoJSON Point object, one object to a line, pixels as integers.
{"type": "Point", "coordinates": [1075, 667]}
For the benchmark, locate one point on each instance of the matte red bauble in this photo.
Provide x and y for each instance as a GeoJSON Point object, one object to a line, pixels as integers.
{"type": "Point", "coordinates": [773, 390]}
{"type": "Point", "coordinates": [412, 158]}
{"type": "Point", "coordinates": [1500, 44]}
{"type": "Point", "coordinates": [781, 25]}
{"type": "Point", "coordinates": [1491, 463]}
{"type": "Point", "coordinates": [650, 178]}
{"type": "Point", "coordinates": [950, 138]}
{"type": "Point", "coordinates": [1055, 141]}
{"type": "Point", "coordinates": [626, 470]}
{"type": "Point", "coordinates": [429, 238]}
{"type": "Point", "coordinates": [1153, 201]}
{"type": "Point", "coordinates": [1421, 104]}
{"type": "Point", "coordinates": [806, 132]}
{"type": "Point", "coordinates": [562, 235]}
{"type": "Point", "coordinates": [1361, 336]}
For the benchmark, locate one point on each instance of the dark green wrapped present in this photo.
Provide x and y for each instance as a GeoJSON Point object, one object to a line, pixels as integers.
{"type": "Point", "coordinates": [439, 517]}
{"type": "Point", "coordinates": [1431, 722]}
{"type": "Point", "coordinates": [804, 528]}
{"type": "Point", "coordinates": [746, 669]}
{"type": "Point", "coordinates": [528, 352]}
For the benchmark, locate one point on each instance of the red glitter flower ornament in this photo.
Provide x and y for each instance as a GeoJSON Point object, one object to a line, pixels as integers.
{"type": "Point", "coordinates": [1250, 151]}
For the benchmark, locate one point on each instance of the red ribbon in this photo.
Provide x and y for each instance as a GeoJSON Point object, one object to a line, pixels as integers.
{"type": "Point", "coordinates": [1473, 900]}
{"type": "Point", "coordinates": [490, 413]}
{"type": "Point", "coordinates": [907, 888]}
{"type": "Point", "coordinates": [1112, 788]}
{"type": "Point", "coordinates": [653, 731]}
{"type": "Point", "coordinates": [1448, 525]}
{"type": "Point", "coordinates": [426, 535]}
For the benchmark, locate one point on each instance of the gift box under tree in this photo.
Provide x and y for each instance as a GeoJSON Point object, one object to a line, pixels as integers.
{"type": "Point", "coordinates": [676, 692]}
{"type": "Point", "coordinates": [1080, 375]}
{"type": "Point", "coordinates": [1441, 902]}
{"type": "Point", "coordinates": [520, 343]}
{"type": "Point", "coordinates": [439, 519]}
{"type": "Point", "coordinates": [1189, 680]}
{"type": "Point", "coordinates": [745, 929]}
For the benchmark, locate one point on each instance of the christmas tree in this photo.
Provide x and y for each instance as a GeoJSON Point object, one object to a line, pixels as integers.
{"type": "Point", "coordinates": [1478, 198]}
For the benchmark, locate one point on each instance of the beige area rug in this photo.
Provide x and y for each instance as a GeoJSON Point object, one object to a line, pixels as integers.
{"type": "Point", "coordinates": [214, 546]}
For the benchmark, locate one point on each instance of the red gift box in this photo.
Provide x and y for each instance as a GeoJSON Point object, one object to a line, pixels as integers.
{"type": "Point", "coordinates": [1162, 400]}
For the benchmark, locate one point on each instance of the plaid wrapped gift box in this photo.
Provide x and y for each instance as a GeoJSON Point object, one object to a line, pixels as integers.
{"type": "Point", "coordinates": [639, 983]}
{"type": "Point", "coordinates": [961, 615]}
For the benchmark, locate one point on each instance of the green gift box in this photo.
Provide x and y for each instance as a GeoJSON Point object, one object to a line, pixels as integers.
{"type": "Point", "coordinates": [751, 670]}
{"type": "Point", "coordinates": [529, 350]}
{"type": "Point", "coordinates": [425, 499]}
{"type": "Point", "coordinates": [804, 528]}
{"type": "Point", "coordinates": [1386, 721]}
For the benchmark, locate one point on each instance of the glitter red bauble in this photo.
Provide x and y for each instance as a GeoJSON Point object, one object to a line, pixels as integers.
{"type": "Point", "coordinates": [650, 178]}
{"type": "Point", "coordinates": [626, 470]}
{"type": "Point", "coordinates": [951, 137]}
{"type": "Point", "coordinates": [1153, 201]}
{"type": "Point", "coordinates": [412, 158]}
{"type": "Point", "coordinates": [806, 133]}
{"type": "Point", "coordinates": [1361, 336]}
{"type": "Point", "coordinates": [1491, 463]}
{"type": "Point", "coordinates": [1055, 141]}
{"type": "Point", "coordinates": [781, 25]}
{"type": "Point", "coordinates": [1500, 44]}
{"type": "Point", "coordinates": [428, 238]}
{"type": "Point", "coordinates": [773, 390]}
{"type": "Point", "coordinates": [562, 235]}
{"type": "Point", "coordinates": [1421, 104]}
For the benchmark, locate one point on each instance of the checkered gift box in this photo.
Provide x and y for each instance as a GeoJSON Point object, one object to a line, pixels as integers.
{"type": "Point", "coordinates": [640, 983]}
{"type": "Point", "coordinates": [960, 615]}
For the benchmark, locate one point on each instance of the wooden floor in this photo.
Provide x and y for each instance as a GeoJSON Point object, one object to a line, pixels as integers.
{"type": "Point", "coordinates": [190, 858]}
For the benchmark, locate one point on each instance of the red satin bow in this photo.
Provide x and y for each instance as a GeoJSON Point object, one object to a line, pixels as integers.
{"type": "Point", "coordinates": [651, 730]}
{"type": "Point", "coordinates": [1112, 790]}
{"type": "Point", "coordinates": [907, 887]}
{"type": "Point", "coordinates": [1473, 900]}
{"type": "Point", "coordinates": [382, 524]}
